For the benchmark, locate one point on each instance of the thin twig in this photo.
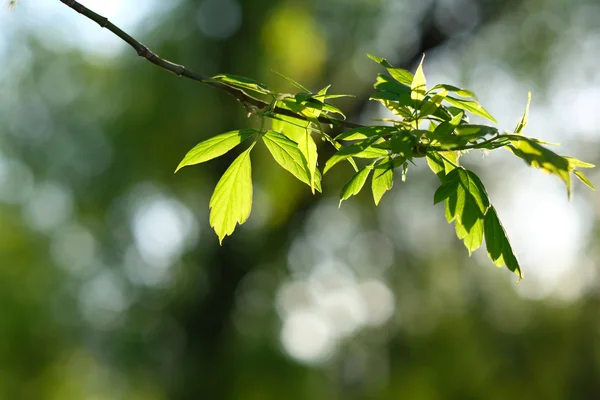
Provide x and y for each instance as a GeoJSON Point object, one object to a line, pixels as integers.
{"type": "Point", "coordinates": [248, 101]}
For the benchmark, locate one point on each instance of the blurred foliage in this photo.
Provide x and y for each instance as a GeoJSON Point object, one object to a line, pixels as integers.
{"type": "Point", "coordinates": [112, 285]}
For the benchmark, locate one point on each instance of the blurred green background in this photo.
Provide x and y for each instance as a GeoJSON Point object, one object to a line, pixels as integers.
{"type": "Point", "coordinates": [113, 286]}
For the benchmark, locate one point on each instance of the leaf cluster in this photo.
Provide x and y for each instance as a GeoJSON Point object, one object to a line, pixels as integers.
{"type": "Point", "coordinates": [425, 122]}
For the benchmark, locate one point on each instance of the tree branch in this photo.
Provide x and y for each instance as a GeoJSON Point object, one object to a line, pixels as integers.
{"type": "Point", "coordinates": [249, 102]}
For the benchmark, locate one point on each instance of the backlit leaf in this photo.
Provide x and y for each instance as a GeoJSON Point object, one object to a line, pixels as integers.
{"type": "Point", "coordinates": [293, 82]}
{"type": "Point", "coordinates": [231, 201]}
{"type": "Point", "coordinates": [215, 146]}
{"type": "Point", "coordinates": [288, 155]}
{"type": "Point", "coordinates": [498, 246]}
{"type": "Point", "coordinates": [461, 92]}
{"type": "Point", "coordinates": [583, 179]}
{"type": "Point", "coordinates": [471, 106]}
{"type": "Point", "coordinates": [355, 184]}
{"type": "Point", "coordinates": [418, 85]}
{"type": "Point", "coordinates": [242, 82]}
{"type": "Point", "coordinates": [382, 181]}
{"type": "Point", "coordinates": [523, 122]}
{"type": "Point", "coordinates": [308, 147]}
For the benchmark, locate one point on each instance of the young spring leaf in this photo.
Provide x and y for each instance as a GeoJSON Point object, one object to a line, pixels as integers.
{"type": "Point", "coordinates": [471, 106]}
{"type": "Point", "coordinates": [215, 146]}
{"type": "Point", "coordinates": [242, 82]}
{"type": "Point", "coordinates": [498, 246]}
{"type": "Point", "coordinates": [398, 92]}
{"type": "Point", "coordinates": [466, 204]}
{"type": "Point", "coordinates": [523, 122]}
{"type": "Point", "coordinates": [308, 147]}
{"type": "Point", "coordinates": [362, 149]}
{"type": "Point", "coordinates": [429, 106]}
{"type": "Point", "coordinates": [287, 154]}
{"type": "Point", "coordinates": [418, 85]}
{"type": "Point", "coordinates": [365, 132]}
{"type": "Point", "coordinates": [293, 82]}
{"type": "Point", "coordinates": [383, 180]}
{"type": "Point", "coordinates": [355, 184]}
{"type": "Point", "coordinates": [540, 157]}
{"type": "Point", "coordinates": [583, 179]}
{"type": "Point", "coordinates": [293, 128]}
{"type": "Point", "coordinates": [460, 92]}
{"type": "Point", "coordinates": [442, 163]}
{"type": "Point", "coordinates": [231, 201]}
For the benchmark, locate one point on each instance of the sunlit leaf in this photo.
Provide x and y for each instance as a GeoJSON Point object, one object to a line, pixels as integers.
{"type": "Point", "coordinates": [471, 106]}
{"type": "Point", "coordinates": [383, 180]}
{"type": "Point", "coordinates": [293, 82]}
{"type": "Point", "coordinates": [362, 150]}
{"type": "Point", "coordinates": [242, 83]}
{"type": "Point", "coordinates": [460, 92]}
{"type": "Point", "coordinates": [287, 154]}
{"type": "Point", "coordinates": [418, 85]}
{"type": "Point", "coordinates": [308, 147]}
{"type": "Point", "coordinates": [466, 204]}
{"type": "Point", "coordinates": [472, 238]}
{"type": "Point", "coordinates": [498, 246]}
{"type": "Point", "coordinates": [386, 84]}
{"type": "Point", "coordinates": [540, 157]}
{"type": "Point", "coordinates": [574, 163]}
{"type": "Point", "coordinates": [523, 122]}
{"type": "Point", "coordinates": [438, 163]}
{"type": "Point", "coordinates": [355, 184]}
{"type": "Point", "coordinates": [429, 106]}
{"type": "Point", "coordinates": [215, 146]}
{"type": "Point", "coordinates": [380, 60]}
{"type": "Point", "coordinates": [583, 179]}
{"type": "Point", "coordinates": [365, 132]}
{"type": "Point", "coordinates": [231, 201]}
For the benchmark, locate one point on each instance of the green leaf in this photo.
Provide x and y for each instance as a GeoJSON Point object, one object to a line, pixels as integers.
{"type": "Point", "coordinates": [573, 163]}
{"type": "Point", "coordinates": [460, 92]}
{"type": "Point", "coordinates": [365, 132]}
{"type": "Point", "coordinates": [383, 180]}
{"type": "Point", "coordinates": [231, 201]}
{"type": "Point", "coordinates": [447, 127]}
{"type": "Point", "coordinates": [472, 106]}
{"type": "Point", "coordinates": [401, 75]}
{"type": "Point", "coordinates": [386, 84]}
{"type": "Point", "coordinates": [287, 154]}
{"type": "Point", "coordinates": [464, 134]}
{"type": "Point", "coordinates": [540, 157]}
{"type": "Point", "coordinates": [472, 238]}
{"type": "Point", "coordinates": [439, 165]}
{"type": "Point", "coordinates": [380, 60]}
{"type": "Point", "coordinates": [523, 122]}
{"type": "Point", "coordinates": [241, 82]}
{"type": "Point", "coordinates": [402, 144]}
{"type": "Point", "coordinates": [466, 204]}
{"type": "Point", "coordinates": [583, 179]}
{"type": "Point", "coordinates": [293, 82]}
{"type": "Point", "coordinates": [429, 106]}
{"type": "Point", "coordinates": [362, 150]}
{"type": "Point", "coordinates": [498, 246]}
{"type": "Point", "coordinates": [418, 85]}
{"type": "Point", "coordinates": [293, 128]}
{"type": "Point", "coordinates": [215, 146]}
{"type": "Point", "coordinates": [308, 147]}
{"type": "Point", "coordinates": [355, 184]}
